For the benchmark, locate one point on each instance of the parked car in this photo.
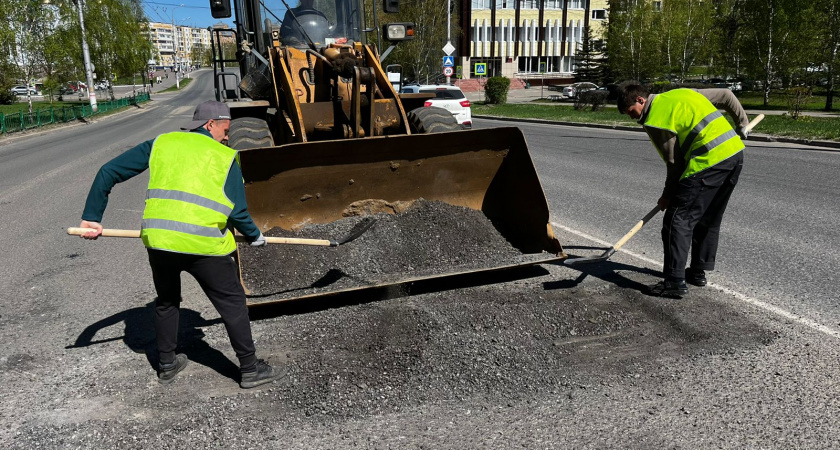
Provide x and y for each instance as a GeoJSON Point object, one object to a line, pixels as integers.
{"type": "Point", "coordinates": [613, 91]}
{"type": "Point", "coordinates": [575, 89]}
{"type": "Point", "coordinates": [101, 86]}
{"type": "Point", "coordinates": [731, 84]}
{"type": "Point", "coordinates": [450, 98]}
{"type": "Point", "coordinates": [23, 90]}
{"type": "Point", "coordinates": [76, 85]}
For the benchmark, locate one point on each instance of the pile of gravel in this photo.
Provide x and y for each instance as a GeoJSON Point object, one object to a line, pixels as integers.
{"type": "Point", "coordinates": [428, 238]}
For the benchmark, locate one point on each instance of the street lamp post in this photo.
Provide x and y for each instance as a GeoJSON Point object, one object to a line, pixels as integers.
{"type": "Point", "coordinates": [175, 47]}
{"type": "Point", "coordinates": [80, 5]}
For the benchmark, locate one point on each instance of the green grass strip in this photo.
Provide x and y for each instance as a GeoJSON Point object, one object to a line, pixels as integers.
{"type": "Point", "coordinates": [810, 128]}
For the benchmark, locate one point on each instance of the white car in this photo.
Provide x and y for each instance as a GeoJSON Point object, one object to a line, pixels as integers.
{"type": "Point", "coordinates": [576, 89]}
{"type": "Point", "coordinates": [450, 98]}
{"type": "Point", "coordinates": [22, 90]}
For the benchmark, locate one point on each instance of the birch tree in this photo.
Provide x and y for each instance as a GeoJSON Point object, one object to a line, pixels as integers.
{"type": "Point", "coordinates": [631, 44]}
{"type": "Point", "coordinates": [772, 38]}
{"type": "Point", "coordinates": [684, 28]}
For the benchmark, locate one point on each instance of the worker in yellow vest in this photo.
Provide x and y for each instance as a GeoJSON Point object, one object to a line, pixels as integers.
{"type": "Point", "coordinates": [703, 155]}
{"type": "Point", "coordinates": [195, 196]}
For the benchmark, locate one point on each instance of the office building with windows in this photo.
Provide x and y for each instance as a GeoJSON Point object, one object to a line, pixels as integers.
{"type": "Point", "coordinates": [527, 38]}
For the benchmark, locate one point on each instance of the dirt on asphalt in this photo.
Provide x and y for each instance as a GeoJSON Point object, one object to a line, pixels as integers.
{"type": "Point", "coordinates": [436, 367]}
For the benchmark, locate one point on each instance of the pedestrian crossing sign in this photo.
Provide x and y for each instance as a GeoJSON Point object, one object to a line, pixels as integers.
{"type": "Point", "coordinates": [480, 69]}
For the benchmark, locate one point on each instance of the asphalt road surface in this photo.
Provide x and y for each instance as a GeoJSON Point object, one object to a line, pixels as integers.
{"type": "Point", "coordinates": [553, 358]}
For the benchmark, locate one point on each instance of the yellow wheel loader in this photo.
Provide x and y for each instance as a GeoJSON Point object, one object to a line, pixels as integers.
{"type": "Point", "coordinates": [321, 128]}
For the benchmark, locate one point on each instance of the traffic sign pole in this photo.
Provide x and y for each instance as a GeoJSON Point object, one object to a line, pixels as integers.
{"type": "Point", "coordinates": [448, 33]}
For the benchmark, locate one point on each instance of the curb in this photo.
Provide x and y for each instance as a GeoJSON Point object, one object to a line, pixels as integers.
{"type": "Point", "coordinates": [831, 146]}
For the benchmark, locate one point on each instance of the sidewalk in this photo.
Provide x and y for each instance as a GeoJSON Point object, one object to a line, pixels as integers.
{"type": "Point", "coordinates": [166, 83]}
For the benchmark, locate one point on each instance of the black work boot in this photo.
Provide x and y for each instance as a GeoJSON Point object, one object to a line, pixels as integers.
{"type": "Point", "coordinates": [261, 373]}
{"type": "Point", "coordinates": [167, 372]}
{"type": "Point", "coordinates": [696, 277]}
{"type": "Point", "coordinates": [669, 288]}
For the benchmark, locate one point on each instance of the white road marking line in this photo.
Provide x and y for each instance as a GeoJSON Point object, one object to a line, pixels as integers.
{"type": "Point", "coordinates": [742, 297]}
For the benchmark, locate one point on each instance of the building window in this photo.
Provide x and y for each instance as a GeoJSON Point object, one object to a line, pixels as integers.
{"type": "Point", "coordinates": [599, 14]}
{"type": "Point", "coordinates": [657, 6]}
{"type": "Point", "coordinates": [480, 4]}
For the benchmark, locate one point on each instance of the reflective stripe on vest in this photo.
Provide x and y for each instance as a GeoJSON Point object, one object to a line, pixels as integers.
{"type": "Point", "coordinates": [186, 207]}
{"type": "Point", "coordinates": [704, 137]}
{"type": "Point", "coordinates": [189, 198]}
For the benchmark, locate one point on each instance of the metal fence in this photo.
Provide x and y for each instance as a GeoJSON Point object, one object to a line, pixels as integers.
{"type": "Point", "coordinates": [9, 123]}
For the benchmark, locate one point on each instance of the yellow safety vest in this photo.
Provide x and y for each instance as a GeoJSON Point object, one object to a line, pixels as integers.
{"type": "Point", "coordinates": [704, 137]}
{"type": "Point", "coordinates": [186, 206]}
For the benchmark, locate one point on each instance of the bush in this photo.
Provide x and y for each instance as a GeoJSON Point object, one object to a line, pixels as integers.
{"type": "Point", "coordinates": [594, 99]}
{"type": "Point", "coordinates": [797, 98]}
{"type": "Point", "coordinates": [496, 90]}
{"type": "Point", "coordinates": [6, 96]}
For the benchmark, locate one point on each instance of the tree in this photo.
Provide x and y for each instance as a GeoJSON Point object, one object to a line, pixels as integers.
{"type": "Point", "coordinates": [118, 43]}
{"type": "Point", "coordinates": [29, 23]}
{"type": "Point", "coordinates": [421, 57]}
{"type": "Point", "coordinates": [200, 55]}
{"type": "Point", "coordinates": [827, 41]}
{"type": "Point", "coordinates": [588, 60]}
{"type": "Point", "coordinates": [727, 38]}
{"type": "Point", "coordinates": [631, 46]}
{"type": "Point", "coordinates": [684, 30]}
{"type": "Point", "coordinates": [775, 33]}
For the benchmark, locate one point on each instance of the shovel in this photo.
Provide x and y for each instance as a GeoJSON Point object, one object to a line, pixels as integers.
{"type": "Point", "coordinates": [354, 233]}
{"type": "Point", "coordinates": [611, 251]}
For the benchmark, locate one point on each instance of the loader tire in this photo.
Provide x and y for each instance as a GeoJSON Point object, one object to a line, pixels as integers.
{"type": "Point", "coordinates": [249, 132]}
{"type": "Point", "coordinates": [431, 119]}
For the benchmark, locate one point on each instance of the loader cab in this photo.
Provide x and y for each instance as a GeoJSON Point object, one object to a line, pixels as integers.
{"type": "Point", "coordinates": [322, 22]}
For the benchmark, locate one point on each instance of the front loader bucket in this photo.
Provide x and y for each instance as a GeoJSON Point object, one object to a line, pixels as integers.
{"type": "Point", "coordinates": [320, 182]}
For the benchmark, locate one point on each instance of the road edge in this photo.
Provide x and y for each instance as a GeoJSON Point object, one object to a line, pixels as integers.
{"type": "Point", "coordinates": [829, 146]}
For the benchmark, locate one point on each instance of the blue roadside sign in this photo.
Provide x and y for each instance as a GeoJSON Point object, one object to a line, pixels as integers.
{"type": "Point", "coordinates": [481, 68]}
{"type": "Point", "coordinates": [448, 61]}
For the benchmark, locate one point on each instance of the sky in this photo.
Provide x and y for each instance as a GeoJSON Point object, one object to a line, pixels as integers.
{"type": "Point", "coordinates": [194, 13]}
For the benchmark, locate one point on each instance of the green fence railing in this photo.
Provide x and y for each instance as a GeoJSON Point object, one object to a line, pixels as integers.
{"type": "Point", "coordinates": [10, 123]}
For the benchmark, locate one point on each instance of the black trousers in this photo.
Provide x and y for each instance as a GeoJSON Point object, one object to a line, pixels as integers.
{"type": "Point", "coordinates": [218, 276]}
{"type": "Point", "coordinates": [694, 215]}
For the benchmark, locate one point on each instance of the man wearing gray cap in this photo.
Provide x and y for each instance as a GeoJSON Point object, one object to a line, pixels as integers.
{"type": "Point", "coordinates": [195, 196]}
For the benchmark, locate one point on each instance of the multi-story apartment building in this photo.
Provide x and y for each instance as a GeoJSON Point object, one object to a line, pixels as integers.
{"type": "Point", "coordinates": [524, 38]}
{"type": "Point", "coordinates": [175, 45]}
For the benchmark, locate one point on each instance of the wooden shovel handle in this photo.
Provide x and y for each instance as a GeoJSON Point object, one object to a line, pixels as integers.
{"type": "Point", "coordinates": [113, 232]}
{"type": "Point", "coordinates": [106, 232]}
{"type": "Point", "coordinates": [636, 228]}
{"type": "Point", "coordinates": [753, 123]}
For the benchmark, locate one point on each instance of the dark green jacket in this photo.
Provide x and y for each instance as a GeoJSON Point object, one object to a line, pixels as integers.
{"type": "Point", "coordinates": [136, 160]}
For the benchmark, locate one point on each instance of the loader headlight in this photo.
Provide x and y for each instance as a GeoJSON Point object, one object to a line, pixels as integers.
{"type": "Point", "coordinates": [402, 31]}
